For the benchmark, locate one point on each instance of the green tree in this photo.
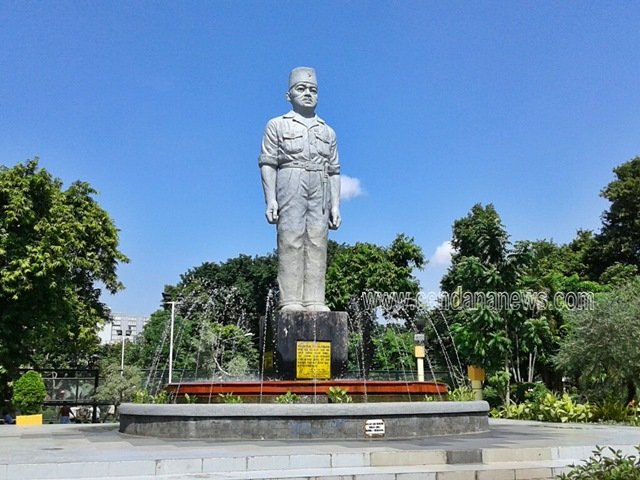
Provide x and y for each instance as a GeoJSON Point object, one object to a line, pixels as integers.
{"type": "Point", "coordinates": [29, 392]}
{"type": "Point", "coordinates": [365, 267]}
{"type": "Point", "coordinates": [394, 350]}
{"type": "Point", "coordinates": [554, 274]}
{"type": "Point", "coordinates": [250, 279]}
{"type": "Point", "coordinates": [368, 267]}
{"type": "Point", "coordinates": [485, 331]}
{"type": "Point", "coordinates": [211, 339]}
{"type": "Point", "coordinates": [602, 346]}
{"type": "Point", "coordinates": [118, 385]}
{"type": "Point", "coordinates": [57, 247]}
{"type": "Point", "coordinates": [619, 239]}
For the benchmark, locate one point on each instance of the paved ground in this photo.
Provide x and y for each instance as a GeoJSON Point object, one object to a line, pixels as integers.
{"type": "Point", "coordinates": [48, 445]}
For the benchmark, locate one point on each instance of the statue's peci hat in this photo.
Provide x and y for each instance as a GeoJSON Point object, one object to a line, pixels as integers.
{"type": "Point", "coordinates": [302, 74]}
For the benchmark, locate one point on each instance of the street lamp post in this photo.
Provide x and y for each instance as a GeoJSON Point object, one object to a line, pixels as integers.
{"type": "Point", "coordinates": [418, 339]}
{"type": "Point", "coordinates": [126, 334]}
{"type": "Point", "coordinates": [173, 304]}
{"type": "Point", "coordinates": [173, 319]}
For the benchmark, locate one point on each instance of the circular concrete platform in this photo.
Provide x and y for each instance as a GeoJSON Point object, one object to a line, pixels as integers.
{"type": "Point", "coordinates": [350, 421]}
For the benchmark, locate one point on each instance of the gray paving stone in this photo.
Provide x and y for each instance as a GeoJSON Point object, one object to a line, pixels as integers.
{"type": "Point", "coordinates": [375, 476]}
{"type": "Point", "coordinates": [526, 449]}
{"type": "Point", "coordinates": [267, 462]}
{"type": "Point", "coordinates": [80, 470]}
{"type": "Point", "coordinates": [457, 475]}
{"type": "Point", "coordinates": [350, 459]}
{"type": "Point", "coordinates": [429, 457]}
{"type": "Point", "coordinates": [132, 467]}
{"type": "Point", "coordinates": [178, 465]}
{"type": "Point", "coordinates": [464, 456]}
{"type": "Point", "coordinates": [31, 471]}
{"type": "Point", "coordinates": [224, 464]}
{"type": "Point", "coordinates": [416, 476]}
{"type": "Point", "coordinates": [310, 461]}
{"type": "Point", "coordinates": [534, 474]}
{"type": "Point", "coordinates": [506, 474]}
{"type": "Point", "coordinates": [491, 455]}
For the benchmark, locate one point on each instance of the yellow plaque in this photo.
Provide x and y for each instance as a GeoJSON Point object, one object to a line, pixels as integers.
{"type": "Point", "coordinates": [475, 373]}
{"type": "Point", "coordinates": [419, 351]}
{"type": "Point", "coordinates": [268, 361]}
{"type": "Point", "coordinates": [313, 360]}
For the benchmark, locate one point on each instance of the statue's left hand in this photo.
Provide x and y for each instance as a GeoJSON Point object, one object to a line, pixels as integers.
{"type": "Point", "coordinates": [334, 218]}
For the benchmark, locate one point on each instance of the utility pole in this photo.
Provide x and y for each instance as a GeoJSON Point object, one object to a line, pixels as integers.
{"type": "Point", "coordinates": [123, 335]}
{"type": "Point", "coordinates": [173, 319]}
{"type": "Point", "coordinates": [173, 304]}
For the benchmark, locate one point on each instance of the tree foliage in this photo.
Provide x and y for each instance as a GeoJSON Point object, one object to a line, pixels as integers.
{"type": "Point", "coordinates": [602, 346]}
{"type": "Point", "coordinates": [29, 392]}
{"type": "Point", "coordinates": [247, 278]}
{"type": "Point", "coordinates": [211, 339]}
{"type": "Point", "coordinates": [56, 246]}
{"type": "Point", "coordinates": [365, 267]}
{"type": "Point", "coordinates": [484, 262]}
{"type": "Point", "coordinates": [619, 239]}
{"type": "Point", "coordinates": [369, 267]}
{"type": "Point", "coordinates": [518, 293]}
{"type": "Point", "coordinates": [119, 385]}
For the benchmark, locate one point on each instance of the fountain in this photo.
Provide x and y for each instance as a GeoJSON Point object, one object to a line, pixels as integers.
{"type": "Point", "coordinates": [304, 345]}
{"type": "Point", "coordinates": [391, 409]}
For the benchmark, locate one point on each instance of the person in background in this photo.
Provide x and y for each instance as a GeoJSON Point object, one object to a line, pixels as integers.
{"type": "Point", "coordinates": [8, 419]}
{"type": "Point", "coordinates": [65, 413]}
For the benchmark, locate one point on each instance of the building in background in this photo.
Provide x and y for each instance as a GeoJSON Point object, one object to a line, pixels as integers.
{"type": "Point", "coordinates": [122, 324]}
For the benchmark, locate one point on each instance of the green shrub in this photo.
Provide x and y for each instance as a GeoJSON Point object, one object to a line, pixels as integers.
{"type": "Point", "coordinates": [497, 387]}
{"type": "Point", "coordinates": [611, 410]}
{"type": "Point", "coordinates": [536, 392]}
{"type": "Point", "coordinates": [29, 392]}
{"type": "Point", "coordinates": [549, 408]}
{"type": "Point", "coordinates": [142, 396]}
{"type": "Point", "coordinates": [606, 467]}
{"type": "Point", "coordinates": [462, 394]}
{"type": "Point", "coordinates": [190, 399]}
{"type": "Point", "coordinates": [338, 395]}
{"type": "Point", "coordinates": [514, 411]}
{"type": "Point", "coordinates": [230, 398]}
{"type": "Point", "coordinates": [288, 397]}
{"type": "Point", "coordinates": [491, 395]}
{"type": "Point", "coordinates": [553, 409]}
{"type": "Point", "coordinates": [119, 386]}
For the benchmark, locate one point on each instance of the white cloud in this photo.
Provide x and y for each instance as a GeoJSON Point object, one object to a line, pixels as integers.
{"type": "Point", "coordinates": [350, 188]}
{"type": "Point", "coordinates": [442, 255]}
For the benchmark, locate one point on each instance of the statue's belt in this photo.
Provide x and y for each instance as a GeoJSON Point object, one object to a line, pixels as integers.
{"type": "Point", "coordinates": [313, 167]}
{"type": "Point", "coordinates": [310, 167]}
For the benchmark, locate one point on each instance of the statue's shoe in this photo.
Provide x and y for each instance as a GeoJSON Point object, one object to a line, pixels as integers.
{"type": "Point", "coordinates": [317, 307]}
{"type": "Point", "coordinates": [292, 307]}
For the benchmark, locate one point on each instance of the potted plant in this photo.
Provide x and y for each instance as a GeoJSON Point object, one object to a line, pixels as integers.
{"type": "Point", "coordinates": [28, 394]}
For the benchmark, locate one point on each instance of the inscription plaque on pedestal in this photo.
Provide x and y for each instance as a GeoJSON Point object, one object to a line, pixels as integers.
{"type": "Point", "coordinates": [292, 327]}
{"type": "Point", "coordinates": [374, 428]}
{"type": "Point", "coordinates": [313, 360]}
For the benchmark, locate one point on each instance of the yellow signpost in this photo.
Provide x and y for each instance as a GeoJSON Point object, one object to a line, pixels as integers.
{"type": "Point", "coordinates": [268, 360]}
{"type": "Point", "coordinates": [313, 360]}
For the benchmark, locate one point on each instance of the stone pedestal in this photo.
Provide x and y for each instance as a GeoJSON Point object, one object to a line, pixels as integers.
{"type": "Point", "coordinates": [314, 335]}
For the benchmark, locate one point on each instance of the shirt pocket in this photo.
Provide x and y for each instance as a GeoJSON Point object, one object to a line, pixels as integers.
{"type": "Point", "coordinates": [324, 146]}
{"type": "Point", "coordinates": [293, 142]}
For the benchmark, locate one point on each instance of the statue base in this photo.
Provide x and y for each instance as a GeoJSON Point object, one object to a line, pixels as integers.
{"type": "Point", "coordinates": [310, 345]}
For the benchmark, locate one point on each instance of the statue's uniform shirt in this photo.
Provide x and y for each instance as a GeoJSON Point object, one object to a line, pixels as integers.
{"type": "Point", "coordinates": [305, 154]}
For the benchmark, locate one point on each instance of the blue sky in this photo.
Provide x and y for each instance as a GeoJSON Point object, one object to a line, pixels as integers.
{"type": "Point", "coordinates": [437, 105]}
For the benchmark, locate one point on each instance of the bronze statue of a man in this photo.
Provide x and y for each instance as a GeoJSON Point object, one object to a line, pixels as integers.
{"type": "Point", "coordinates": [301, 181]}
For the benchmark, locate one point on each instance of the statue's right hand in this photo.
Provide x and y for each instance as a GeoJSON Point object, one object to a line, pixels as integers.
{"type": "Point", "coordinates": [272, 212]}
